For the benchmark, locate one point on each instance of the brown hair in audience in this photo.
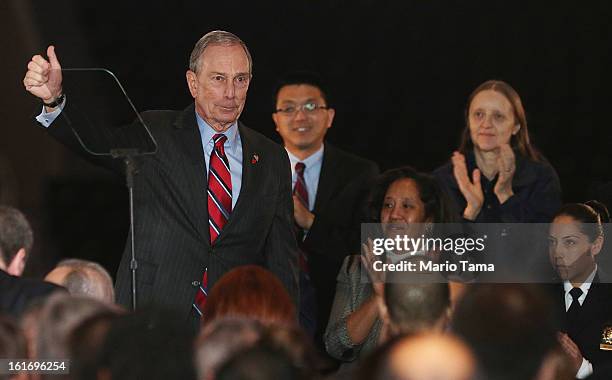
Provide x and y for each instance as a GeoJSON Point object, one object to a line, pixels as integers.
{"type": "Point", "coordinates": [510, 328]}
{"type": "Point", "coordinates": [250, 291]}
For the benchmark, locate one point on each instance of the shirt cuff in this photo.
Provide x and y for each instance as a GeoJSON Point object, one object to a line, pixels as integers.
{"type": "Point", "coordinates": [46, 118]}
{"type": "Point", "coordinates": [585, 370]}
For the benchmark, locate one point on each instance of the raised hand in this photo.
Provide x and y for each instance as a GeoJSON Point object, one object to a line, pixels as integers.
{"type": "Point", "coordinates": [571, 349]}
{"type": "Point", "coordinates": [506, 165]}
{"type": "Point", "coordinates": [302, 216]}
{"type": "Point", "coordinates": [367, 260]}
{"type": "Point", "coordinates": [44, 78]}
{"type": "Point", "coordinates": [470, 188]}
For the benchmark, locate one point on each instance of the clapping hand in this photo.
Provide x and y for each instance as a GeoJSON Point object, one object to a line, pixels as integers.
{"type": "Point", "coordinates": [367, 260]}
{"type": "Point", "coordinates": [302, 216]}
{"type": "Point", "coordinates": [506, 165]}
{"type": "Point", "coordinates": [470, 188]}
{"type": "Point", "coordinates": [571, 349]}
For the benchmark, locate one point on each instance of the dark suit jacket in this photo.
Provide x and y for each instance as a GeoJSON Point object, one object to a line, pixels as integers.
{"type": "Point", "coordinates": [16, 293]}
{"type": "Point", "coordinates": [595, 314]}
{"type": "Point", "coordinates": [341, 193]}
{"type": "Point", "coordinates": [171, 216]}
{"type": "Point", "coordinates": [536, 187]}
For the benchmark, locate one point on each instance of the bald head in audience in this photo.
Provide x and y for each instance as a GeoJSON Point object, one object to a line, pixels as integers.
{"type": "Point", "coordinates": [412, 308]}
{"type": "Point", "coordinates": [83, 278]}
{"type": "Point", "coordinates": [429, 356]}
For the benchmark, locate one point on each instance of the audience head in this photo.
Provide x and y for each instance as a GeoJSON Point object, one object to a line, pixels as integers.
{"type": "Point", "coordinates": [427, 356]}
{"type": "Point", "coordinates": [576, 237]}
{"type": "Point", "coordinates": [16, 239]}
{"type": "Point", "coordinates": [149, 344]}
{"type": "Point", "coordinates": [408, 308]}
{"type": "Point", "coordinates": [404, 196]}
{"type": "Point", "coordinates": [220, 340]}
{"type": "Point", "coordinates": [85, 344]}
{"type": "Point", "coordinates": [12, 345]}
{"type": "Point", "coordinates": [302, 112]}
{"type": "Point", "coordinates": [12, 340]}
{"type": "Point", "coordinates": [250, 291]}
{"type": "Point", "coordinates": [494, 115]}
{"type": "Point", "coordinates": [58, 318]}
{"type": "Point", "coordinates": [261, 362]}
{"type": "Point", "coordinates": [298, 346]}
{"type": "Point", "coordinates": [83, 278]}
{"type": "Point", "coordinates": [509, 327]}
{"type": "Point", "coordinates": [29, 324]}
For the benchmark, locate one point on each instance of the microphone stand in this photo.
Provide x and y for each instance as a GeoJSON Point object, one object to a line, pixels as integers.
{"type": "Point", "coordinates": [128, 156]}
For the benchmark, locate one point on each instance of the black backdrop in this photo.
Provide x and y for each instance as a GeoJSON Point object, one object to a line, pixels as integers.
{"type": "Point", "coordinates": [400, 70]}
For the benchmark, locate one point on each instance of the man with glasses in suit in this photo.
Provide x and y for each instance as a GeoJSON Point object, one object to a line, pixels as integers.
{"type": "Point", "coordinates": [329, 187]}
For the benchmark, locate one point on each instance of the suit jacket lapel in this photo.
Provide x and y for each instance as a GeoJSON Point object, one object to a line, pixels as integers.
{"type": "Point", "coordinates": [328, 179]}
{"type": "Point", "coordinates": [195, 169]}
{"type": "Point", "coordinates": [590, 305]}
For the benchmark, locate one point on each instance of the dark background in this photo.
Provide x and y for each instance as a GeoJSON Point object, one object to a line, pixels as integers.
{"type": "Point", "coordinates": [400, 73]}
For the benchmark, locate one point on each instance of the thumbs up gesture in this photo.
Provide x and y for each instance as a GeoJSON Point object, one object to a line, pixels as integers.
{"type": "Point", "coordinates": [44, 77]}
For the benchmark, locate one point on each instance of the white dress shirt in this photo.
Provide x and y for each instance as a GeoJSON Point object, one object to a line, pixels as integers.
{"type": "Point", "coordinates": [586, 368]}
{"type": "Point", "coordinates": [312, 172]}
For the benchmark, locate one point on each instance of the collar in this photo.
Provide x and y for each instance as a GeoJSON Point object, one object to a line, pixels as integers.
{"type": "Point", "coordinates": [585, 286]}
{"type": "Point", "coordinates": [207, 133]}
{"type": "Point", "coordinates": [310, 161]}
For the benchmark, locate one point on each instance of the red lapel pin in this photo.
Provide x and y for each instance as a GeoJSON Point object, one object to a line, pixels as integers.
{"type": "Point", "coordinates": [255, 159]}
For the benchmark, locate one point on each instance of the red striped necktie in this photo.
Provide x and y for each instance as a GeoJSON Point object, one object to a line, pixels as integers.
{"type": "Point", "coordinates": [300, 185]}
{"type": "Point", "coordinates": [219, 205]}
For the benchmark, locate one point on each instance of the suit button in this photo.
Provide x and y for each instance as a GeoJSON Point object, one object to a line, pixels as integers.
{"type": "Point", "coordinates": [195, 283]}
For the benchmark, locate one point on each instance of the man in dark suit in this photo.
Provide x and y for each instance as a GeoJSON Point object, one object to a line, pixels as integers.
{"type": "Point", "coordinates": [329, 187]}
{"type": "Point", "coordinates": [16, 240]}
{"type": "Point", "coordinates": [215, 196]}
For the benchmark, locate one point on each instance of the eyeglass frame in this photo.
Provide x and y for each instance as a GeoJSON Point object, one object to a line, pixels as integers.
{"type": "Point", "coordinates": [295, 109]}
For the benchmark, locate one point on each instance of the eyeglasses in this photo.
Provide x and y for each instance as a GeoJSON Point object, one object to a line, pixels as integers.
{"type": "Point", "coordinates": [308, 108]}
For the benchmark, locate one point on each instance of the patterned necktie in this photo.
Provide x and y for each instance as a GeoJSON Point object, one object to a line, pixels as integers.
{"type": "Point", "coordinates": [219, 205]}
{"type": "Point", "coordinates": [308, 305]}
{"type": "Point", "coordinates": [219, 189]}
{"type": "Point", "coordinates": [300, 185]}
{"type": "Point", "coordinates": [301, 192]}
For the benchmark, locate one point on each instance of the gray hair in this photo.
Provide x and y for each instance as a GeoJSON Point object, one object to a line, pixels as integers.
{"type": "Point", "coordinates": [216, 37]}
{"type": "Point", "coordinates": [15, 233]}
{"type": "Point", "coordinates": [88, 278]}
{"type": "Point", "coordinates": [60, 315]}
